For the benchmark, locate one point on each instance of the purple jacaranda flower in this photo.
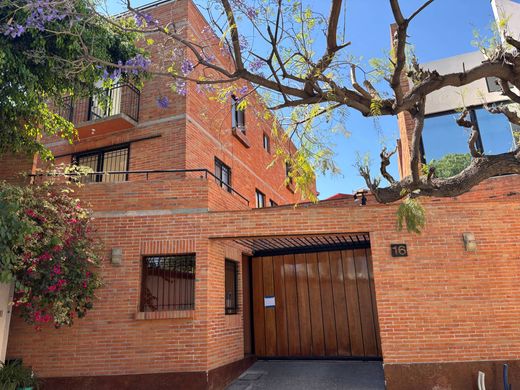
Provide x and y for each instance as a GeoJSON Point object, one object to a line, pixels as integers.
{"type": "Point", "coordinates": [163, 102]}
{"type": "Point", "coordinates": [138, 20]}
{"type": "Point", "coordinates": [14, 31]}
{"type": "Point", "coordinates": [242, 42]}
{"type": "Point", "coordinates": [42, 12]}
{"type": "Point", "coordinates": [251, 13]}
{"type": "Point", "coordinates": [186, 67]}
{"type": "Point", "coordinates": [139, 64]}
{"type": "Point", "coordinates": [256, 64]}
{"type": "Point", "coordinates": [141, 19]}
{"type": "Point", "coordinates": [180, 86]}
{"type": "Point", "coordinates": [242, 90]}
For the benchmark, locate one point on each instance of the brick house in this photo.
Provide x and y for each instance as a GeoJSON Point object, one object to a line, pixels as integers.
{"type": "Point", "coordinates": [201, 277]}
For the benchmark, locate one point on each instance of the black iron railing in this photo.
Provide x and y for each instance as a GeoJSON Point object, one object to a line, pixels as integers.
{"type": "Point", "coordinates": [122, 98]}
{"type": "Point", "coordinates": [98, 176]}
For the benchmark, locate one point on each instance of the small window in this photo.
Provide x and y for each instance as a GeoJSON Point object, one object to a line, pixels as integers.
{"type": "Point", "coordinates": [223, 174]}
{"type": "Point", "coordinates": [260, 199]}
{"type": "Point", "coordinates": [288, 169]}
{"type": "Point", "coordinates": [231, 287]}
{"type": "Point", "coordinates": [272, 203]}
{"type": "Point", "coordinates": [105, 160]}
{"type": "Point", "coordinates": [238, 116]}
{"type": "Point", "coordinates": [168, 283]}
{"type": "Point", "coordinates": [267, 143]}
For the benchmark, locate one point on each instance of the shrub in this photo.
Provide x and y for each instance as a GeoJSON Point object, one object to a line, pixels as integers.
{"type": "Point", "coordinates": [48, 252]}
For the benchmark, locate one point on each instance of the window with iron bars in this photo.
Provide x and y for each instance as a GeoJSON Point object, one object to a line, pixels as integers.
{"type": "Point", "coordinates": [168, 283]}
{"type": "Point", "coordinates": [104, 160]}
{"type": "Point", "coordinates": [231, 284]}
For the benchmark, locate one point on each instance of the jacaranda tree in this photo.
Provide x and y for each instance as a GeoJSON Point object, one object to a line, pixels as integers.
{"type": "Point", "coordinates": [302, 65]}
{"type": "Point", "coordinates": [50, 49]}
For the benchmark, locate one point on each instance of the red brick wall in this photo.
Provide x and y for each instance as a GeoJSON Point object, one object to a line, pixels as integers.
{"type": "Point", "coordinates": [439, 304]}
{"type": "Point", "coordinates": [193, 130]}
{"type": "Point", "coordinates": [12, 168]}
{"type": "Point", "coordinates": [248, 165]}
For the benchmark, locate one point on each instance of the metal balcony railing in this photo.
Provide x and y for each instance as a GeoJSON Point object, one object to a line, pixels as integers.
{"type": "Point", "coordinates": [99, 177]}
{"type": "Point", "coordinates": [122, 98]}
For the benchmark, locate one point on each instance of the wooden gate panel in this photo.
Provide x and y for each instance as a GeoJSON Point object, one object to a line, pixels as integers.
{"type": "Point", "coordinates": [327, 305]}
{"type": "Point", "coordinates": [351, 294]}
{"type": "Point", "coordinates": [258, 307]}
{"type": "Point", "coordinates": [318, 338]}
{"type": "Point", "coordinates": [280, 308]}
{"type": "Point", "coordinates": [365, 303]}
{"type": "Point", "coordinates": [270, 315]}
{"type": "Point", "coordinates": [304, 311]}
{"type": "Point", "coordinates": [291, 298]}
{"type": "Point", "coordinates": [324, 305]}
{"type": "Point", "coordinates": [374, 306]}
{"type": "Point", "coordinates": [340, 304]}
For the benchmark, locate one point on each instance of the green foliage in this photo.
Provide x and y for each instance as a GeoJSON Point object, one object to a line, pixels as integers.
{"type": "Point", "coordinates": [488, 43]}
{"type": "Point", "coordinates": [411, 213]}
{"type": "Point", "coordinates": [41, 66]}
{"type": "Point", "coordinates": [450, 165]}
{"type": "Point", "coordinates": [48, 252]}
{"type": "Point", "coordinates": [15, 375]}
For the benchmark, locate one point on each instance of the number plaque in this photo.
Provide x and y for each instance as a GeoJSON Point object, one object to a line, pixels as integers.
{"type": "Point", "coordinates": [399, 250]}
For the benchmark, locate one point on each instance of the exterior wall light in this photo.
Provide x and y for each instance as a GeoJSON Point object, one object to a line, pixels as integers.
{"type": "Point", "coordinates": [117, 256]}
{"type": "Point", "coordinates": [470, 244]}
{"type": "Point", "coordinates": [361, 195]}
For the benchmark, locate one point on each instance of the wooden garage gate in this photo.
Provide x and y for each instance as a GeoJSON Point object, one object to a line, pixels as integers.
{"type": "Point", "coordinates": [324, 305]}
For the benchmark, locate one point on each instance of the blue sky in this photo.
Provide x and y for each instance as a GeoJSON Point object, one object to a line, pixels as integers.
{"type": "Point", "coordinates": [444, 29]}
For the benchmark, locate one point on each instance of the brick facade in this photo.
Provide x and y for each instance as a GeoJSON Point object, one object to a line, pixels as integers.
{"type": "Point", "coordinates": [441, 306]}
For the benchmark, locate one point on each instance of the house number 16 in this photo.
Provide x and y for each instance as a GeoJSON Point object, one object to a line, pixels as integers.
{"type": "Point", "coordinates": [399, 250]}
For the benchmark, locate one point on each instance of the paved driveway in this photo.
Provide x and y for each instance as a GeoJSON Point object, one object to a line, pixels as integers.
{"type": "Point", "coordinates": [311, 375]}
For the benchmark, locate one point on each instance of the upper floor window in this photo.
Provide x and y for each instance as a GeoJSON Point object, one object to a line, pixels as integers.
{"type": "Point", "coordinates": [267, 143]}
{"type": "Point", "coordinates": [231, 282]}
{"type": "Point", "coordinates": [260, 199]}
{"type": "Point", "coordinates": [223, 174]}
{"type": "Point", "coordinates": [238, 115]}
{"type": "Point", "coordinates": [105, 160]}
{"type": "Point", "coordinates": [272, 203]}
{"type": "Point", "coordinates": [168, 283]}
{"type": "Point", "coordinates": [288, 168]}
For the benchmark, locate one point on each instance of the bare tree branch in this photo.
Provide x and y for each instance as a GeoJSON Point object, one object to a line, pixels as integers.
{"type": "Point", "coordinates": [474, 135]}
{"type": "Point", "coordinates": [385, 162]}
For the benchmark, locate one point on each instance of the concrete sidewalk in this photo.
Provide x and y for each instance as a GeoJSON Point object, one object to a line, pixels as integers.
{"type": "Point", "coordinates": [311, 375]}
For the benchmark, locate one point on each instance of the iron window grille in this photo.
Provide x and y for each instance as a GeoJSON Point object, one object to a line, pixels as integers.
{"type": "Point", "coordinates": [168, 283]}
{"type": "Point", "coordinates": [238, 116]}
{"type": "Point", "coordinates": [260, 199]}
{"type": "Point", "coordinates": [267, 143]}
{"type": "Point", "coordinates": [231, 284]}
{"type": "Point", "coordinates": [223, 174]}
{"type": "Point", "coordinates": [104, 160]}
